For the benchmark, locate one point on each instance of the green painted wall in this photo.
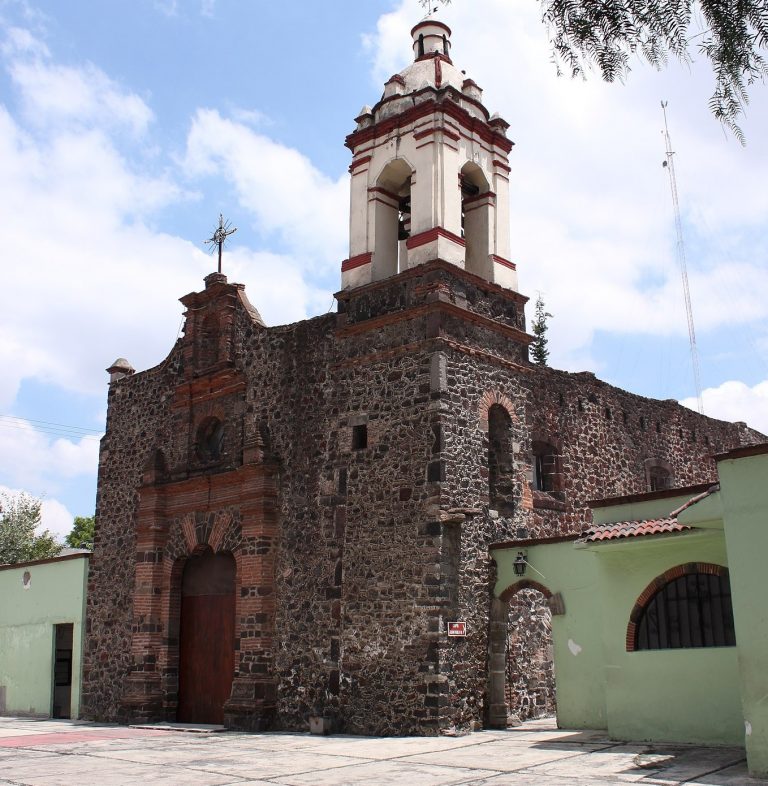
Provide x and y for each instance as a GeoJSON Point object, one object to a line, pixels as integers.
{"type": "Point", "coordinates": [686, 695]}
{"type": "Point", "coordinates": [744, 492]}
{"type": "Point", "coordinates": [667, 695]}
{"type": "Point", "coordinates": [56, 594]}
{"type": "Point", "coordinates": [576, 635]}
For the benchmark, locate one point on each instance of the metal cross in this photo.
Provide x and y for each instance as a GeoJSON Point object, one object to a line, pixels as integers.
{"type": "Point", "coordinates": [220, 235]}
{"type": "Point", "coordinates": [427, 5]}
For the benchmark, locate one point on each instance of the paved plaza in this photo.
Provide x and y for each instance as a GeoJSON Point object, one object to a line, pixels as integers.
{"type": "Point", "coordinates": [49, 753]}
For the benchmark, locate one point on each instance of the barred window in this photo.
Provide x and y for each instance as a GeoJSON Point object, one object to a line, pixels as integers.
{"type": "Point", "coordinates": [692, 610]}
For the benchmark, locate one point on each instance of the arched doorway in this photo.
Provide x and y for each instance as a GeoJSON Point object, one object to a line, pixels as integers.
{"type": "Point", "coordinates": [206, 637]}
{"type": "Point", "coordinates": [521, 669]}
{"type": "Point", "coordinates": [529, 689]}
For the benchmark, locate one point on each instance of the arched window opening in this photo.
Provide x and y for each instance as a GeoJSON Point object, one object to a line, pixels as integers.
{"type": "Point", "coordinates": [689, 610]}
{"type": "Point", "coordinates": [445, 46]}
{"type": "Point", "coordinates": [209, 445]}
{"type": "Point", "coordinates": [209, 341]}
{"type": "Point", "coordinates": [392, 219]}
{"type": "Point", "coordinates": [475, 219]}
{"type": "Point", "coordinates": [659, 479]}
{"type": "Point", "coordinates": [658, 475]}
{"type": "Point", "coordinates": [501, 487]}
{"type": "Point", "coordinates": [547, 474]}
{"type": "Point", "coordinates": [421, 44]}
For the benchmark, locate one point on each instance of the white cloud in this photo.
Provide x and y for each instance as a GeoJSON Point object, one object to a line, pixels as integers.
{"type": "Point", "coordinates": [734, 401]}
{"type": "Point", "coordinates": [281, 188]}
{"type": "Point", "coordinates": [78, 96]}
{"type": "Point", "coordinates": [43, 462]}
{"type": "Point", "coordinates": [56, 518]}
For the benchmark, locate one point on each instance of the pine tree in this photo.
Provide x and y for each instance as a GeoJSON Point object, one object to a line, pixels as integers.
{"type": "Point", "coordinates": [539, 351]}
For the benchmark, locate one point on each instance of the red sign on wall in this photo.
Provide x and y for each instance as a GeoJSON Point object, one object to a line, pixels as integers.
{"type": "Point", "coordinates": [457, 628]}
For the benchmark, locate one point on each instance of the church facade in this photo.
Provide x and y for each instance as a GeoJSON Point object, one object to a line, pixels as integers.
{"type": "Point", "coordinates": [289, 517]}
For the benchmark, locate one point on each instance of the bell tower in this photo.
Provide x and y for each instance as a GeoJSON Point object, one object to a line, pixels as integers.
{"type": "Point", "coordinates": [430, 173]}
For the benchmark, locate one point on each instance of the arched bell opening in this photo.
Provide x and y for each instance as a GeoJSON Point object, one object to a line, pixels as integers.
{"type": "Point", "coordinates": [392, 219]}
{"type": "Point", "coordinates": [475, 218]}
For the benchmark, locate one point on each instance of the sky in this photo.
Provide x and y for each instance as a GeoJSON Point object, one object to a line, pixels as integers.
{"type": "Point", "coordinates": [127, 126]}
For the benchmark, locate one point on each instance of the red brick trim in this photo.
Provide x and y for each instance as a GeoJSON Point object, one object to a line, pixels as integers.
{"type": "Point", "coordinates": [396, 78]}
{"type": "Point", "coordinates": [430, 236]}
{"type": "Point", "coordinates": [490, 398]}
{"type": "Point", "coordinates": [434, 131]}
{"type": "Point", "coordinates": [359, 162]}
{"type": "Point", "coordinates": [657, 585]}
{"type": "Point", "coordinates": [504, 262]}
{"type": "Point", "coordinates": [489, 195]}
{"type": "Point", "coordinates": [447, 108]}
{"type": "Point", "coordinates": [358, 261]}
{"type": "Point", "coordinates": [524, 584]}
{"type": "Point", "coordinates": [502, 165]}
{"type": "Point", "coordinates": [385, 192]}
{"type": "Point", "coordinates": [436, 264]}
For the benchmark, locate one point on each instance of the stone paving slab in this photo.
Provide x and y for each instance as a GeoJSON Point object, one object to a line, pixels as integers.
{"type": "Point", "coordinates": [384, 773]}
{"type": "Point", "coordinates": [63, 753]}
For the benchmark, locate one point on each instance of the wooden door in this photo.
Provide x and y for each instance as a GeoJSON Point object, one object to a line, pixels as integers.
{"type": "Point", "coordinates": [207, 633]}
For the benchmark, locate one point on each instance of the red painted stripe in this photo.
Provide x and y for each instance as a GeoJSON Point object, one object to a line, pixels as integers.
{"type": "Point", "coordinates": [358, 261]}
{"type": "Point", "coordinates": [430, 236]}
{"type": "Point", "coordinates": [504, 262]}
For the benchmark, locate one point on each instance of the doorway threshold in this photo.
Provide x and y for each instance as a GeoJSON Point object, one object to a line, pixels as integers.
{"type": "Point", "coordinates": [192, 728]}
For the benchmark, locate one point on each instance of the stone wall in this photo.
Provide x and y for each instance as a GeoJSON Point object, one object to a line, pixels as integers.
{"type": "Point", "coordinates": [352, 485]}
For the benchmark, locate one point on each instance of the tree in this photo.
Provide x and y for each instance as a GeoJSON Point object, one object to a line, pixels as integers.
{"type": "Point", "coordinates": [539, 351]}
{"type": "Point", "coordinates": [81, 536]}
{"type": "Point", "coordinates": [19, 518]}
{"type": "Point", "coordinates": [606, 33]}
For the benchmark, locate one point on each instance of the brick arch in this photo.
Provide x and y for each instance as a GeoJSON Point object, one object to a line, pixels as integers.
{"type": "Point", "coordinates": [525, 584]}
{"type": "Point", "coordinates": [488, 399]}
{"type": "Point", "coordinates": [658, 584]}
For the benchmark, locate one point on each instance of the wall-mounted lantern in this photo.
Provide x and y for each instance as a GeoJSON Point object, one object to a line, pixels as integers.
{"type": "Point", "coordinates": [520, 564]}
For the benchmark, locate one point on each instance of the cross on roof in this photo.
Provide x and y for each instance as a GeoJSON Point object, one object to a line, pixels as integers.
{"type": "Point", "coordinates": [220, 235]}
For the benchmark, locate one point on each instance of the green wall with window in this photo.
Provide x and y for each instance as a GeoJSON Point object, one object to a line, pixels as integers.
{"type": "Point", "coordinates": [663, 695]}
{"type": "Point", "coordinates": [716, 694]}
{"type": "Point", "coordinates": [35, 598]}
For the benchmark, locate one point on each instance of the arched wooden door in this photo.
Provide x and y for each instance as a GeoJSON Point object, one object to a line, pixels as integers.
{"type": "Point", "coordinates": [207, 631]}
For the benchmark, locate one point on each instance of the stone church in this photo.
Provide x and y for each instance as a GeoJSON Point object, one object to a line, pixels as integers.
{"type": "Point", "coordinates": [289, 517]}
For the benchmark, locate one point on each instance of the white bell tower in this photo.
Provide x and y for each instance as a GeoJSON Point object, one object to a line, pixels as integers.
{"type": "Point", "coordinates": [430, 173]}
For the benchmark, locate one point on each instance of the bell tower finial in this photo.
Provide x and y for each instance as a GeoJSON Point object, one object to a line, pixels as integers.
{"type": "Point", "coordinates": [430, 173]}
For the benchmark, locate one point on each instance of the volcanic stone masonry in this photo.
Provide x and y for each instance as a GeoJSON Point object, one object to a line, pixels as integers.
{"type": "Point", "coordinates": [357, 466]}
{"type": "Point", "coordinates": [288, 517]}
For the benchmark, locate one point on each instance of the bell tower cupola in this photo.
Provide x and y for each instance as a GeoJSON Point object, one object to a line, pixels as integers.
{"type": "Point", "coordinates": [429, 173]}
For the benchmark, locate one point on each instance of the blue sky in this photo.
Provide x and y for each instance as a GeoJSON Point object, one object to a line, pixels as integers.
{"type": "Point", "coordinates": [126, 127]}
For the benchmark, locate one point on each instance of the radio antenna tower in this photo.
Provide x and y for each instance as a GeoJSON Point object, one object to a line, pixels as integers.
{"type": "Point", "coordinates": [669, 164]}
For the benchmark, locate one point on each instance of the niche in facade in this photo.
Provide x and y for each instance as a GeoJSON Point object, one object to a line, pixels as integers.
{"type": "Point", "coordinates": [501, 486]}
{"type": "Point", "coordinates": [209, 341]}
{"type": "Point", "coordinates": [658, 475]}
{"type": "Point", "coordinates": [547, 470]}
{"type": "Point", "coordinates": [209, 445]}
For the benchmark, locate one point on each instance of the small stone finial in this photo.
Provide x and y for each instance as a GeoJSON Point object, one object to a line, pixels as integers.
{"type": "Point", "coordinates": [120, 369]}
